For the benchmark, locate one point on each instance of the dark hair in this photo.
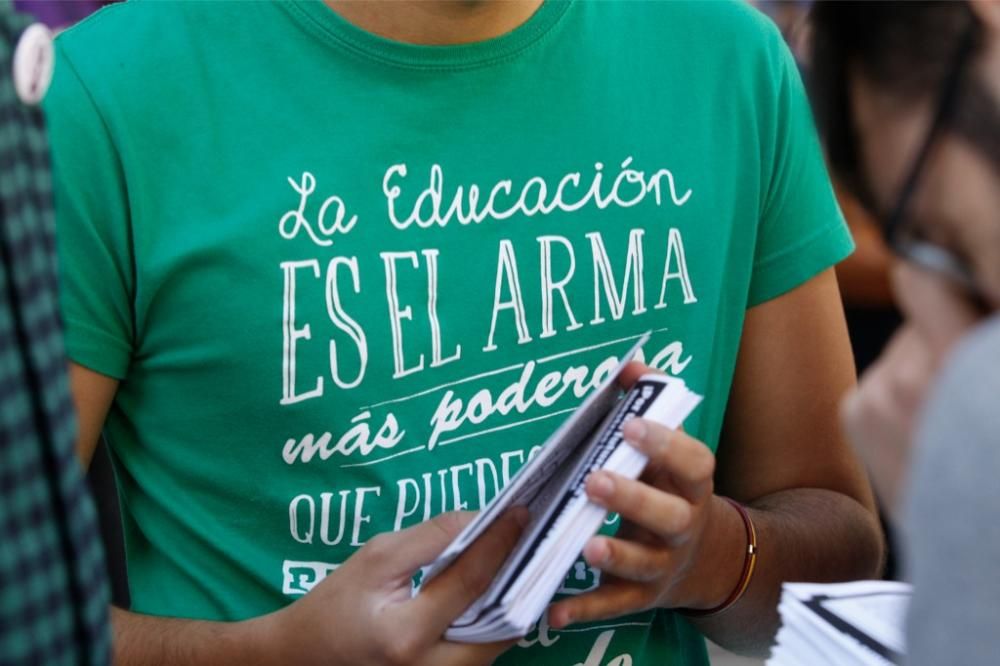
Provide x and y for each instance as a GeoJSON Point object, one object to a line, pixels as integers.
{"type": "Point", "coordinates": [906, 48]}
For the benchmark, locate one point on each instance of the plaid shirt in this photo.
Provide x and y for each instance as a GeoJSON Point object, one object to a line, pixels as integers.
{"type": "Point", "coordinates": [53, 589]}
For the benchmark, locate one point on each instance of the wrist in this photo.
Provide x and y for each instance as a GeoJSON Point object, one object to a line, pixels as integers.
{"type": "Point", "coordinates": [720, 561]}
{"type": "Point", "coordinates": [261, 641]}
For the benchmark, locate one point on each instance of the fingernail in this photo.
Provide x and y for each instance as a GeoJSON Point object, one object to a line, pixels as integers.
{"type": "Point", "coordinates": [557, 619]}
{"type": "Point", "coordinates": [634, 430]}
{"type": "Point", "coordinates": [596, 552]}
{"type": "Point", "coordinates": [600, 485]}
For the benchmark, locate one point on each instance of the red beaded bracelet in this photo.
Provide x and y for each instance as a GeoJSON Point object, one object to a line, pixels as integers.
{"type": "Point", "coordinates": [749, 564]}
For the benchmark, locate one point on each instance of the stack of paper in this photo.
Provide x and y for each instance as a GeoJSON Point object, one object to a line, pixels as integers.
{"type": "Point", "coordinates": [848, 624]}
{"type": "Point", "coordinates": [551, 486]}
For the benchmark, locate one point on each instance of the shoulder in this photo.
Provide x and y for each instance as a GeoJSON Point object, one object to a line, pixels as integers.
{"type": "Point", "coordinates": [121, 45]}
{"type": "Point", "coordinates": [720, 54]}
{"type": "Point", "coordinates": [725, 28]}
{"type": "Point", "coordinates": [139, 64]}
{"type": "Point", "coordinates": [133, 47]}
{"type": "Point", "coordinates": [726, 19]}
{"type": "Point", "coordinates": [126, 31]}
{"type": "Point", "coordinates": [725, 14]}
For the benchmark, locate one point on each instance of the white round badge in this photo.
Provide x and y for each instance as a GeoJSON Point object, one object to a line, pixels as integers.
{"type": "Point", "coordinates": [34, 61]}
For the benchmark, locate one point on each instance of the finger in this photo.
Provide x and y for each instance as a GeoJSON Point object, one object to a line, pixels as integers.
{"type": "Point", "coordinates": [632, 372]}
{"type": "Point", "coordinates": [607, 601]}
{"type": "Point", "coordinates": [688, 463]}
{"type": "Point", "coordinates": [668, 515]}
{"type": "Point", "coordinates": [448, 595]}
{"type": "Point", "coordinates": [446, 653]}
{"type": "Point", "coordinates": [626, 559]}
{"type": "Point", "coordinates": [906, 367]}
{"type": "Point", "coordinates": [629, 531]}
{"type": "Point", "coordinates": [399, 554]}
{"type": "Point", "coordinates": [892, 389]}
{"type": "Point", "coordinates": [880, 429]}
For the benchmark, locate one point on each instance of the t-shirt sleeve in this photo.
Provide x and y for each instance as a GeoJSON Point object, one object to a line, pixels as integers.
{"type": "Point", "coordinates": [93, 238]}
{"type": "Point", "coordinates": [802, 231]}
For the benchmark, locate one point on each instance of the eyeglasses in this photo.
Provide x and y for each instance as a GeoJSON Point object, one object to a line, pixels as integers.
{"type": "Point", "coordinates": [905, 241]}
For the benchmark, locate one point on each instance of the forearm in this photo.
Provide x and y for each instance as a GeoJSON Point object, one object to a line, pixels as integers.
{"type": "Point", "coordinates": [805, 534]}
{"type": "Point", "coordinates": [152, 641]}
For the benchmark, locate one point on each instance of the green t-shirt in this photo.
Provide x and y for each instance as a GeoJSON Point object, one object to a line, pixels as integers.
{"type": "Point", "coordinates": [349, 283]}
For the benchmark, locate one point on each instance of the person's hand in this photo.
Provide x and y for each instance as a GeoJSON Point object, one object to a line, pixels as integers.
{"type": "Point", "coordinates": [362, 613]}
{"type": "Point", "coordinates": [666, 516]}
{"type": "Point", "coordinates": [881, 414]}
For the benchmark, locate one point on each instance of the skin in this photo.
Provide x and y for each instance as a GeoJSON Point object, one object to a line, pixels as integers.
{"type": "Point", "coordinates": [681, 544]}
{"type": "Point", "coordinates": [781, 454]}
{"type": "Point", "coordinates": [377, 621]}
{"type": "Point", "coordinates": [436, 22]}
{"type": "Point", "coordinates": [955, 206]}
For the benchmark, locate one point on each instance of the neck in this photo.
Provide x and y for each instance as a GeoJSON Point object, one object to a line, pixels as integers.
{"type": "Point", "coordinates": [436, 22]}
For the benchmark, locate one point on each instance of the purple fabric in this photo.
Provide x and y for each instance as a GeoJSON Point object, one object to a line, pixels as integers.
{"type": "Point", "coordinates": [59, 13]}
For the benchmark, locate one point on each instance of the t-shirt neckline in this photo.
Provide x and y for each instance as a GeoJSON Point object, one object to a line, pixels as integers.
{"type": "Point", "coordinates": [330, 25]}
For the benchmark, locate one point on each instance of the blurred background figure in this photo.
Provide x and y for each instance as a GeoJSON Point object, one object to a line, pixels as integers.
{"type": "Point", "coordinates": [907, 97]}
{"type": "Point", "coordinates": [791, 17]}
{"type": "Point", "coordinates": [59, 15]}
{"type": "Point", "coordinates": [869, 304]}
{"type": "Point", "coordinates": [865, 285]}
{"type": "Point", "coordinates": [53, 591]}
{"type": "Point", "coordinates": [872, 316]}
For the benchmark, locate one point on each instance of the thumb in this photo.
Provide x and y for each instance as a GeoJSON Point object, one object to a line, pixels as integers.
{"type": "Point", "coordinates": [402, 553]}
{"type": "Point", "coordinates": [632, 372]}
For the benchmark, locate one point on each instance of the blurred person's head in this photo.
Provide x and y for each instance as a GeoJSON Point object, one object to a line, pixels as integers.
{"type": "Point", "coordinates": [908, 98]}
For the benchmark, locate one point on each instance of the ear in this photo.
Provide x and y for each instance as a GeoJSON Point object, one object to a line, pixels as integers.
{"type": "Point", "coordinates": [988, 12]}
